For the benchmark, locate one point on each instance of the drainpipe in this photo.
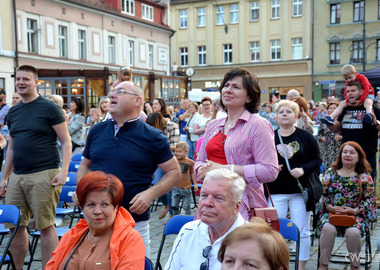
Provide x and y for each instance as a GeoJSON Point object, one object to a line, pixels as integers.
{"type": "Point", "coordinates": [16, 34]}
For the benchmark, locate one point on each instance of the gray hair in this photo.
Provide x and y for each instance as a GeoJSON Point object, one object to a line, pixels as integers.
{"type": "Point", "coordinates": [238, 183]}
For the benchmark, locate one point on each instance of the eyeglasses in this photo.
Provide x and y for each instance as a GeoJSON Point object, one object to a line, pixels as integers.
{"type": "Point", "coordinates": [205, 254]}
{"type": "Point", "coordinates": [121, 91]}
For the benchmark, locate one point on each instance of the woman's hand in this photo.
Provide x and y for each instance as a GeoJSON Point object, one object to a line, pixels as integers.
{"type": "Point", "coordinates": [338, 137]}
{"type": "Point", "coordinates": [208, 166]}
{"type": "Point", "coordinates": [186, 128]}
{"type": "Point", "coordinates": [297, 172]}
{"type": "Point", "coordinates": [323, 139]}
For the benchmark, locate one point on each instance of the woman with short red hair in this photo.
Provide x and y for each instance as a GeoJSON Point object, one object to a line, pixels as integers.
{"type": "Point", "coordinates": [105, 238]}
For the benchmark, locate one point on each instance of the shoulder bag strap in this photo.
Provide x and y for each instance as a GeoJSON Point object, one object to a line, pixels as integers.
{"type": "Point", "coordinates": [286, 158]}
{"type": "Point", "coordinates": [360, 192]}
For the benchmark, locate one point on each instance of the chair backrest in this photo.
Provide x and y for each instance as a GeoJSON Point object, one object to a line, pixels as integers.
{"type": "Point", "coordinates": [175, 224]}
{"type": "Point", "coordinates": [148, 264]}
{"type": "Point", "coordinates": [67, 193]}
{"type": "Point", "coordinates": [9, 213]}
{"type": "Point", "coordinates": [71, 179]}
{"type": "Point", "coordinates": [74, 165]}
{"type": "Point", "coordinates": [289, 230]}
{"type": "Point", "coordinates": [77, 157]}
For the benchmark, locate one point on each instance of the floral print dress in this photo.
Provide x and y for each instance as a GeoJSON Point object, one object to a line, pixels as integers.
{"type": "Point", "coordinates": [344, 191]}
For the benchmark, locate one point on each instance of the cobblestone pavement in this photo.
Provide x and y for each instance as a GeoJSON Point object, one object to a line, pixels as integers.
{"type": "Point", "coordinates": [157, 227]}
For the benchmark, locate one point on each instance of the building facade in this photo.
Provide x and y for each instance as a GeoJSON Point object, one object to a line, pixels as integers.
{"type": "Point", "coordinates": [7, 48]}
{"type": "Point", "coordinates": [80, 45]}
{"type": "Point", "coordinates": [271, 38]}
{"type": "Point", "coordinates": [345, 32]}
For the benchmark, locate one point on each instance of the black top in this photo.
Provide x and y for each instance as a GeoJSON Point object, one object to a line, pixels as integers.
{"type": "Point", "coordinates": [34, 139]}
{"type": "Point", "coordinates": [353, 128]}
{"type": "Point", "coordinates": [303, 152]}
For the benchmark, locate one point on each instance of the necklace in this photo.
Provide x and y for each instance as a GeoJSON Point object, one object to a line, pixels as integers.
{"type": "Point", "coordinates": [347, 173]}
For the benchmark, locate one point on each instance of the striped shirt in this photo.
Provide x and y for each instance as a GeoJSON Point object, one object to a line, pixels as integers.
{"type": "Point", "coordinates": [250, 143]}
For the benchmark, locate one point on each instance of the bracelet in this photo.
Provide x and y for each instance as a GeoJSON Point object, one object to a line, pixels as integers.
{"type": "Point", "coordinates": [233, 168]}
{"type": "Point", "coordinates": [355, 212]}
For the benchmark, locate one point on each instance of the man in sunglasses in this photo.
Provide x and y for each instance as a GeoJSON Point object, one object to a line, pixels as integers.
{"type": "Point", "coordinates": [131, 150]}
{"type": "Point", "coordinates": [198, 242]}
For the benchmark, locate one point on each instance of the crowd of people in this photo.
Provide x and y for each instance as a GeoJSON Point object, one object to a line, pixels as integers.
{"type": "Point", "coordinates": [245, 156]}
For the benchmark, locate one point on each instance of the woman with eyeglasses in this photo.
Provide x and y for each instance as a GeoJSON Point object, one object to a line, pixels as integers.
{"type": "Point", "coordinates": [77, 120]}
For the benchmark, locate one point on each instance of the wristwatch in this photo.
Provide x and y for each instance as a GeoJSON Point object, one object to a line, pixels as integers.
{"type": "Point", "coordinates": [355, 212]}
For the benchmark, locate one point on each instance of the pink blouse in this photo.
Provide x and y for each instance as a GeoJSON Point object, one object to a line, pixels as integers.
{"type": "Point", "coordinates": [250, 143]}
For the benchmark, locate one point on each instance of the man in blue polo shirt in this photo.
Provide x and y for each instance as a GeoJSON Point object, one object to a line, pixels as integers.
{"type": "Point", "coordinates": [131, 150]}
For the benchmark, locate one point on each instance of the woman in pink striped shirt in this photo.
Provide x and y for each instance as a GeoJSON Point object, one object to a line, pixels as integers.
{"type": "Point", "coordinates": [243, 141]}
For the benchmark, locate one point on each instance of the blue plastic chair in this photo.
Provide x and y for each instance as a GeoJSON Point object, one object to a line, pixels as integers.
{"type": "Point", "coordinates": [173, 226]}
{"type": "Point", "coordinates": [148, 264]}
{"type": "Point", "coordinates": [289, 230]}
{"type": "Point", "coordinates": [71, 179]}
{"type": "Point", "coordinates": [73, 166]}
{"type": "Point", "coordinates": [77, 157]}
{"type": "Point", "coordinates": [9, 214]}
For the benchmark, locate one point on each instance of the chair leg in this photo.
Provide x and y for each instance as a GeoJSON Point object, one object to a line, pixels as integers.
{"type": "Point", "coordinates": [33, 250]}
{"type": "Point", "coordinates": [194, 198]}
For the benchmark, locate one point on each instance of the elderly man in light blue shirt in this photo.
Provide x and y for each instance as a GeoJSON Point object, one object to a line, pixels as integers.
{"type": "Point", "coordinates": [199, 241]}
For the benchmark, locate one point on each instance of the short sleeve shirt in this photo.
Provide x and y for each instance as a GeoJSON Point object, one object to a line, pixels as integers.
{"type": "Point", "coordinates": [34, 139]}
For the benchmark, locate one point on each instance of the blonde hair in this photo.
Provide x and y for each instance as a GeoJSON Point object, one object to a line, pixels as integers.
{"type": "Point", "coordinates": [102, 99]}
{"type": "Point", "coordinates": [58, 99]}
{"type": "Point", "coordinates": [183, 145]}
{"type": "Point", "coordinates": [290, 104]}
{"type": "Point", "coordinates": [275, 250]}
{"type": "Point", "coordinates": [348, 69]}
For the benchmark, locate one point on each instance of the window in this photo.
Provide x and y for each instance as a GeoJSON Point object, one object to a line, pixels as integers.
{"type": "Point", "coordinates": [183, 18]}
{"type": "Point", "coordinates": [297, 48]}
{"type": "Point", "coordinates": [128, 6]}
{"type": "Point", "coordinates": [202, 55]}
{"type": "Point", "coordinates": [357, 51]}
{"type": "Point", "coordinates": [184, 56]}
{"type": "Point", "coordinates": [62, 40]}
{"type": "Point", "coordinates": [335, 13]}
{"type": "Point", "coordinates": [275, 50]}
{"type": "Point", "coordinates": [147, 12]}
{"type": "Point", "coordinates": [275, 9]}
{"type": "Point", "coordinates": [131, 53]}
{"type": "Point", "coordinates": [111, 49]}
{"type": "Point", "coordinates": [82, 44]}
{"type": "Point", "coordinates": [150, 56]}
{"type": "Point", "coordinates": [220, 15]}
{"type": "Point", "coordinates": [335, 53]}
{"type": "Point", "coordinates": [227, 53]}
{"type": "Point", "coordinates": [254, 51]}
{"type": "Point", "coordinates": [201, 17]}
{"type": "Point", "coordinates": [234, 13]}
{"type": "Point", "coordinates": [32, 35]}
{"type": "Point", "coordinates": [297, 7]}
{"type": "Point", "coordinates": [359, 11]}
{"type": "Point", "coordinates": [254, 6]}
{"type": "Point", "coordinates": [378, 50]}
